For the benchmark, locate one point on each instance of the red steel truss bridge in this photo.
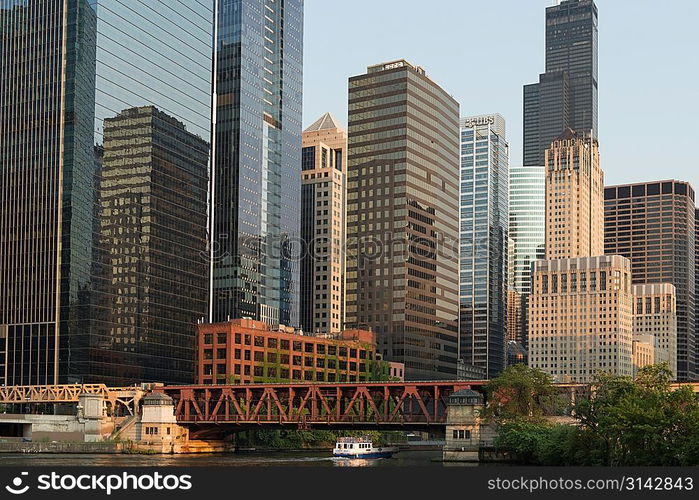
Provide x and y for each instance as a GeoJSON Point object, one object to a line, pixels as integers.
{"type": "Point", "coordinates": [362, 405]}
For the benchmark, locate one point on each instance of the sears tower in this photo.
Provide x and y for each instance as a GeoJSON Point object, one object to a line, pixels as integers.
{"type": "Point", "coordinates": [566, 94]}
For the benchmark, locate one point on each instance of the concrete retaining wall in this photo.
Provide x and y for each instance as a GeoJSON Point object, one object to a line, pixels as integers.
{"type": "Point", "coordinates": [59, 447]}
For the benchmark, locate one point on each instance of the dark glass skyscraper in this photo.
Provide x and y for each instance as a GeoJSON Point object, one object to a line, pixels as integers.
{"type": "Point", "coordinates": [66, 66]}
{"type": "Point", "coordinates": [153, 242]}
{"type": "Point", "coordinates": [566, 94]}
{"type": "Point", "coordinates": [256, 195]}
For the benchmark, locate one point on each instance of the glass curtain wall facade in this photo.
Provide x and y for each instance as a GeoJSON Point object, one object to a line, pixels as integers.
{"type": "Point", "coordinates": [483, 240]}
{"type": "Point", "coordinates": [527, 231]}
{"type": "Point", "coordinates": [653, 224]}
{"type": "Point", "coordinates": [256, 185]}
{"type": "Point", "coordinates": [566, 94]}
{"type": "Point", "coordinates": [153, 241]}
{"type": "Point", "coordinates": [402, 217]}
{"type": "Point", "coordinates": [67, 66]}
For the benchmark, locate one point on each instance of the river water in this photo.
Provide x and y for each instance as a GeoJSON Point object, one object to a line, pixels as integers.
{"type": "Point", "coordinates": [247, 459]}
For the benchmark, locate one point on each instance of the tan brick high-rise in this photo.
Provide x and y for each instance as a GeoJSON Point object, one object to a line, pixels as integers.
{"type": "Point", "coordinates": [580, 310]}
{"type": "Point", "coordinates": [581, 320]}
{"type": "Point", "coordinates": [323, 202]}
{"type": "Point", "coordinates": [574, 198]}
{"type": "Point", "coordinates": [655, 316]}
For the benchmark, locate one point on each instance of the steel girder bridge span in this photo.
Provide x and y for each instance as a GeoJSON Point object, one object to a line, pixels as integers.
{"type": "Point", "coordinates": [389, 406]}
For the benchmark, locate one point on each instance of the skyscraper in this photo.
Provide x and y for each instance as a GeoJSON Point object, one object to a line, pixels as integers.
{"type": "Point", "coordinates": [402, 217]}
{"type": "Point", "coordinates": [655, 319]}
{"type": "Point", "coordinates": [580, 309]}
{"type": "Point", "coordinates": [483, 243]}
{"type": "Point", "coordinates": [574, 197]}
{"type": "Point", "coordinates": [256, 182]}
{"type": "Point", "coordinates": [94, 62]}
{"type": "Point", "coordinates": [323, 202]}
{"type": "Point", "coordinates": [653, 224]}
{"type": "Point", "coordinates": [527, 232]}
{"type": "Point", "coordinates": [153, 242]}
{"type": "Point", "coordinates": [580, 317]}
{"type": "Point", "coordinates": [527, 223]}
{"type": "Point", "coordinates": [566, 94]}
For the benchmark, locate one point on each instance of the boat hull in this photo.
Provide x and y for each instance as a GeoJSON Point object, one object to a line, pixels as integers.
{"type": "Point", "coordinates": [374, 454]}
{"type": "Point", "coordinates": [371, 453]}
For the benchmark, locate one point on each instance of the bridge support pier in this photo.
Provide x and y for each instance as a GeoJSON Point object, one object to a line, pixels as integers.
{"type": "Point", "coordinates": [465, 433]}
{"type": "Point", "coordinates": [90, 413]}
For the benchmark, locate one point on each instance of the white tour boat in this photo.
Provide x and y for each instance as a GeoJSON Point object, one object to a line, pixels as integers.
{"type": "Point", "coordinates": [361, 447]}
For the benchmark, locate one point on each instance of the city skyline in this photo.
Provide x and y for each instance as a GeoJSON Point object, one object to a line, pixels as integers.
{"type": "Point", "coordinates": [624, 78]}
{"type": "Point", "coordinates": [413, 246]}
{"type": "Point", "coordinates": [416, 184]}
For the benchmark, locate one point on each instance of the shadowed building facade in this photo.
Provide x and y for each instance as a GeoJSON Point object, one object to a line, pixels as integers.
{"type": "Point", "coordinates": [153, 241]}
{"type": "Point", "coordinates": [66, 66]}
{"type": "Point", "coordinates": [323, 206]}
{"type": "Point", "coordinates": [655, 321]}
{"type": "Point", "coordinates": [653, 224]}
{"type": "Point", "coordinates": [403, 217]}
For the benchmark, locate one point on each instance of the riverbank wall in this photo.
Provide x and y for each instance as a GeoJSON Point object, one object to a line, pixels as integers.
{"type": "Point", "coordinates": [111, 447]}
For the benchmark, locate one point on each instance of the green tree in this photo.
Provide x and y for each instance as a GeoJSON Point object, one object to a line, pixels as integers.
{"type": "Point", "coordinates": [641, 422]}
{"type": "Point", "coordinates": [521, 392]}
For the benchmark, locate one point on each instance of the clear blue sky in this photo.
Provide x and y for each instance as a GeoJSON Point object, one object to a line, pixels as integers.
{"type": "Point", "coordinates": [483, 51]}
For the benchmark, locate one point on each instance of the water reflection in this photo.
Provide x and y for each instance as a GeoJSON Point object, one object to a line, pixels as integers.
{"type": "Point", "coordinates": [254, 459]}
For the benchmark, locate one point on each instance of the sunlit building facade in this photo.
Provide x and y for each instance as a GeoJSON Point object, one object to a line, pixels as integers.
{"type": "Point", "coordinates": [323, 206]}
{"type": "Point", "coordinates": [581, 318]}
{"type": "Point", "coordinates": [246, 351]}
{"type": "Point", "coordinates": [581, 305]}
{"type": "Point", "coordinates": [403, 217]}
{"type": "Point", "coordinates": [574, 197]}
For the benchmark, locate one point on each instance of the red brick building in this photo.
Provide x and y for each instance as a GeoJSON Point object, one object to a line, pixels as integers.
{"type": "Point", "coordinates": [245, 351]}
